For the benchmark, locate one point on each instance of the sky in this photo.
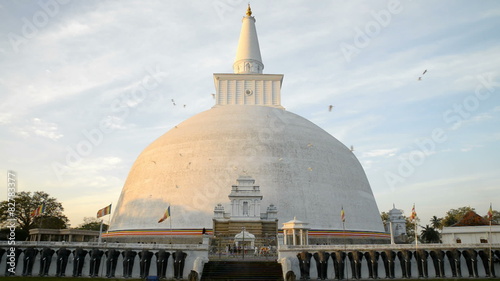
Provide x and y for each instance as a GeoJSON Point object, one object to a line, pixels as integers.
{"type": "Point", "coordinates": [70, 69]}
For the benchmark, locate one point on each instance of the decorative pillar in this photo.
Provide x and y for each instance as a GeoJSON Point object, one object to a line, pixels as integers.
{"type": "Point", "coordinates": [294, 238]}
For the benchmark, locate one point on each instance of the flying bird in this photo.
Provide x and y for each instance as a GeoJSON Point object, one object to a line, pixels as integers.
{"type": "Point", "coordinates": [425, 71]}
{"type": "Point", "coordinates": [330, 108]}
{"type": "Point", "coordinates": [419, 78]}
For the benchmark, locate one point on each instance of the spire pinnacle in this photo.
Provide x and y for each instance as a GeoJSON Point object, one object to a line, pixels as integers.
{"type": "Point", "coordinates": [248, 59]}
{"type": "Point", "coordinates": [249, 10]}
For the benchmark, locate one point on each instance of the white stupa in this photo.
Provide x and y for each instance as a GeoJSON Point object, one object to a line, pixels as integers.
{"type": "Point", "coordinates": [300, 168]}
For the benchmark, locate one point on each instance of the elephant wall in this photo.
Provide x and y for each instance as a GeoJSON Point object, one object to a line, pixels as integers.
{"type": "Point", "coordinates": [386, 261]}
{"type": "Point", "coordinates": [103, 260]}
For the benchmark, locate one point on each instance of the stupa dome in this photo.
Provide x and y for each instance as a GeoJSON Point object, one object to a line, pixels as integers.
{"type": "Point", "coordinates": [300, 168]}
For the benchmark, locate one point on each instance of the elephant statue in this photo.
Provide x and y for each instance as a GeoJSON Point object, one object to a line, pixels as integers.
{"type": "Point", "coordinates": [372, 263]}
{"type": "Point", "coordinates": [438, 261]}
{"type": "Point", "coordinates": [338, 264]}
{"type": "Point", "coordinates": [179, 260]}
{"type": "Point", "coordinates": [45, 260]}
{"type": "Point", "coordinates": [161, 263]}
{"type": "Point", "coordinates": [388, 258]}
{"type": "Point", "coordinates": [29, 260]}
{"type": "Point", "coordinates": [454, 259]}
{"type": "Point", "coordinates": [145, 262]}
{"type": "Point", "coordinates": [471, 260]}
{"type": "Point", "coordinates": [304, 264]}
{"type": "Point", "coordinates": [112, 256]}
{"type": "Point", "coordinates": [487, 258]}
{"type": "Point", "coordinates": [95, 262]}
{"type": "Point", "coordinates": [355, 258]}
{"type": "Point", "coordinates": [12, 261]}
{"type": "Point", "coordinates": [78, 261]}
{"type": "Point", "coordinates": [128, 262]}
{"type": "Point", "coordinates": [2, 251]}
{"type": "Point", "coordinates": [404, 257]}
{"type": "Point", "coordinates": [62, 261]}
{"type": "Point", "coordinates": [421, 260]}
{"type": "Point", "coordinates": [321, 259]}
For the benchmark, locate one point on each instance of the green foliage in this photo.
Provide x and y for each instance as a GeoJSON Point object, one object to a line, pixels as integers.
{"type": "Point", "coordinates": [20, 234]}
{"type": "Point", "coordinates": [429, 235]}
{"type": "Point", "coordinates": [90, 223]}
{"type": "Point", "coordinates": [455, 215]}
{"type": "Point", "coordinates": [436, 223]}
{"type": "Point", "coordinates": [26, 202]}
{"type": "Point", "coordinates": [384, 216]}
{"type": "Point", "coordinates": [410, 230]}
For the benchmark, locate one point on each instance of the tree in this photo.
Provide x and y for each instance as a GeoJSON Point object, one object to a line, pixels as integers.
{"type": "Point", "coordinates": [429, 235]}
{"type": "Point", "coordinates": [26, 202]}
{"type": "Point", "coordinates": [384, 216]}
{"type": "Point", "coordinates": [436, 222]}
{"type": "Point", "coordinates": [455, 215]}
{"type": "Point", "coordinates": [410, 230]}
{"type": "Point", "coordinates": [90, 223]}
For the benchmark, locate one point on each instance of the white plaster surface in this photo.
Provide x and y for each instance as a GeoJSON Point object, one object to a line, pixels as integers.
{"type": "Point", "coordinates": [299, 167]}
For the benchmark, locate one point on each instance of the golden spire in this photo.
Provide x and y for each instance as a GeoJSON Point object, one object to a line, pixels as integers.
{"type": "Point", "coordinates": [249, 10]}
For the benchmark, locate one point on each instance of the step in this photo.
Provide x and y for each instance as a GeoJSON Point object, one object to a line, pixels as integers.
{"type": "Point", "coordinates": [240, 270]}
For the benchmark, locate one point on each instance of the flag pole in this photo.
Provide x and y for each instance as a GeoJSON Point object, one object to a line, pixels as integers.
{"type": "Point", "coordinates": [109, 218]}
{"type": "Point", "coordinates": [490, 263]}
{"type": "Point", "coordinates": [490, 216]}
{"type": "Point", "coordinates": [342, 218]}
{"type": "Point", "coordinates": [345, 250]}
{"type": "Point", "coordinates": [170, 215]}
{"type": "Point", "coordinates": [416, 236]}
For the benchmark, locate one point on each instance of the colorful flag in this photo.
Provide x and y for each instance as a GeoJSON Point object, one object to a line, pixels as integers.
{"type": "Point", "coordinates": [104, 211]}
{"type": "Point", "coordinates": [342, 214]}
{"type": "Point", "coordinates": [490, 213]}
{"type": "Point", "coordinates": [166, 215]}
{"type": "Point", "coordinates": [413, 213]}
{"type": "Point", "coordinates": [40, 210]}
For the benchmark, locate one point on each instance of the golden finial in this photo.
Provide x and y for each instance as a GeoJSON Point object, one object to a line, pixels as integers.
{"type": "Point", "coordinates": [249, 10]}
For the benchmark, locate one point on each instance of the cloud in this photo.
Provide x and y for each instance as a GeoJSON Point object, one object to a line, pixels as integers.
{"type": "Point", "coordinates": [381, 152]}
{"type": "Point", "coordinates": [5, 118]}
{"type": "Point", "coordinates": [470, 147]}
{"type": "Point", "coordinates": [41, 128]}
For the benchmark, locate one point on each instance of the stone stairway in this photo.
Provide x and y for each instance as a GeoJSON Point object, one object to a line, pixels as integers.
{"type": "Point", "coordinates": [241, 271]}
